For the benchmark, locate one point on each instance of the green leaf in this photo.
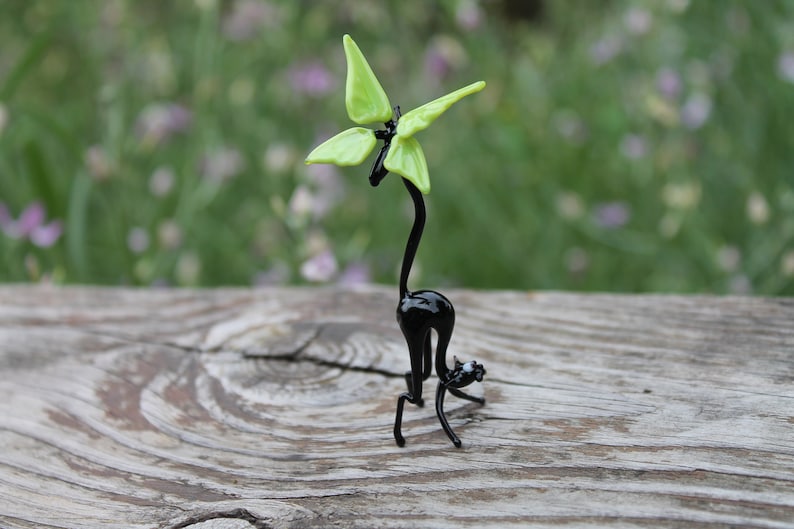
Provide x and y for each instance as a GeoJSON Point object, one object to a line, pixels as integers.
{"type": "Point", "coordinates": [78, 225]}
{"type": "Point", "coordinates": [407, 160]}
{"type": "Point", "coordinates": [33, 55]}
{"type": "Point", "coordinates": [349, 147]}
{"type": "Point", "coordinates": [421, 118]}
{"type": "Point", "coordinates": [38, 174]}
{"type": "Point", "coordinates": [365, 99]}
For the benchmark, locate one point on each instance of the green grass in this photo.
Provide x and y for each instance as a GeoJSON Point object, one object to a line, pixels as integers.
{"type": "Point", "coordinates": [619, 146]}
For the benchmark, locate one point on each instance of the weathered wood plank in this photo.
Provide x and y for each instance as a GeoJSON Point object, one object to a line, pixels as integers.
{"type": "Point", "coordinates": [273, 408]}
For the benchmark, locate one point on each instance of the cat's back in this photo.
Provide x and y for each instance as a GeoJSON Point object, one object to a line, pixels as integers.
{"type": "Point", "coordinates": [424, 307]}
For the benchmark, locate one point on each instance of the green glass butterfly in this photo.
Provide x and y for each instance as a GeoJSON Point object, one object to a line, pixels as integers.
{"type": "Point", "coordinates": [367, 103]}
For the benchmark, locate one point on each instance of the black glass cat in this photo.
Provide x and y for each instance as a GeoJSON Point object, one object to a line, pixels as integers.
{"type": "Point", "coordinates": [423, 311]}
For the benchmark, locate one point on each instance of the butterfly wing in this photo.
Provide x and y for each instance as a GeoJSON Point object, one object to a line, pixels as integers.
{"type": "Point", "coordinates": [407, 160]}
{"type": "Point", "coordinates": [365, 99]}
{"type": "Point", "coordinates": [421, 118]}
{"type": "Point", "coordinates": [349, 147]}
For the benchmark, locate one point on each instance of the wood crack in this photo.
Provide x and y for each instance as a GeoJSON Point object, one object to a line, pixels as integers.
{"type": "Point", "coordinates": [236, 514]}
{"type": "Point", "coordinates": [330, 363]}
{"type": "Point", "coordinates": [296, 355]}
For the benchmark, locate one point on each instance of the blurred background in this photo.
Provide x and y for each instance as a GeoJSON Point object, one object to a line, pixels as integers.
{"type": "Point", "coordinates": [627, 146]}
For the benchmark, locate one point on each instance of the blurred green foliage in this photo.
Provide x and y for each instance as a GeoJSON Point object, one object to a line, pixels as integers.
{"type": "Point", "coordinates": [619, 145]}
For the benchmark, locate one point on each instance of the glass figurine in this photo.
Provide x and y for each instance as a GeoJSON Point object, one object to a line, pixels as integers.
{"type": "Point", "coordinates": [418, 312]}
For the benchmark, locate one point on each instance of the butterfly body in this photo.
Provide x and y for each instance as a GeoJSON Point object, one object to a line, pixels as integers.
{"type": "Point", "coordinates": [379, 171]}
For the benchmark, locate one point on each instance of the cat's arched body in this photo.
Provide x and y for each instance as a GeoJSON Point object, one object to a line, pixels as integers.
{"type": "Point", "coordinates": [419, 314]}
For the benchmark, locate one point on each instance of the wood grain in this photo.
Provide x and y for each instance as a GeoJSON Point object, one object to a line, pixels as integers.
{"type": "Point", "coordinates": [273, 408]}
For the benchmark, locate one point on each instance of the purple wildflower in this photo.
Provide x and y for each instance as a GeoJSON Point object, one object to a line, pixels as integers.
{"type": "Point", "coordinates": [302, 201]}
{"type": "Point", "coordinates": [279, 157]}
{"type": "Point", "coordinates": [633, 146]}
{"type": "Point", "coordinates": [46, 235]}
{"type": "Point", "coordinates": [320, 268]}
{"type": "Point", "coordinates": [435, 64]}
{"type": "Point", "coordinates": [468, 15]}
{"type": "Point", "coordinates": [30, 218]}
{"type": "Point", "coordinates": [247, 18]}
{"type": "Point", "coordinates": [222, 164]}
{"type": "Point", "coordinates": [443, 56]}
{"type": "Point", "coordinates": [570, 126]}
{"type": "Point", "coordinates": [157, 123]}
{"type": "Point", "coordinates": [138, 240]}
{"type": "Point", "coordinates": [356, 273]}
{"type": "Point", "coordinates": [162, 181]}
{"type": "Point", "coordinates": [696, 110]}
{"type": "Point", "coordinates": [278, 274]}
{"type": "Point", "coordinates": [312, 79]}
{"type": "Point", "coordinates": [785, 66]}
{"type": "Point", "coordinates": [31, 225]}
{"type": "Point", "coordinates": [329, 186]}
{"type": "Point", "coordinates": [606, 49]}
{"type": "Point", "coordinates": [612, 215]}
{"type": "Point", "coordinates": [638, 20]}
{"type": "Point", "coordinates": [668, 83]}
